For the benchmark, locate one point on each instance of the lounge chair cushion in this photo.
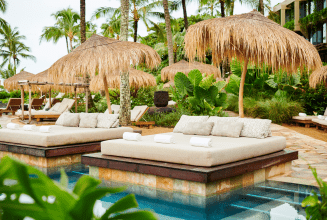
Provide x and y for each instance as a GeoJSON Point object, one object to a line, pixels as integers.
{"type": "Point", "coordinates": [255, 128]}
{"type": "Point", "coordinates": [60, 135]}
{"type": "Point", "coordinates": [305, 118]}
{"type": "Point", "coordinates": [88, 120]}
{"type": "Point", "coordinates": [227, 129]}
{"type": "Point", "coordinates": [181, 124]}
{"type": "Point", "coordinates": [115, 124]}
{"type": "Point", "coordinates": [142, 109]}
{"type": "Point", "coordinates": [106, 120]}
{"type": "Point", "coordinates": [198, 128]}
{"type": "Point", "coordinates": [224, 149]}
{"type": "Point", "coordinates": [134, 114]}
{"type": "Point", "coordinates": [320, 121]}
{"type": "Point", "coordinates": [55, 107]}
{"type": "Point", "coordinates": [71, 120]}
{"type": "Point", "coordinates": [62, 108]}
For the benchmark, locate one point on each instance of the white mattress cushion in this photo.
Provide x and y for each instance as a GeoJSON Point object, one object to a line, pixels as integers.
{"type": "Point", "coordinates": [224, 149]}
{"type": "Point", "coordinates": [255, 128]}
{"type": "Point", "coordinates": [60, 135]}
{"type": "Point", "coordinates": [88, 120]}
{"type": "Point", "coordinates": [181, 124]}
{"type": "Point", "coordinates": [106, 120]}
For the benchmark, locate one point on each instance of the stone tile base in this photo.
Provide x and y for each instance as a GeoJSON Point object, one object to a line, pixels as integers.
{"type": "Point", "coordinates": [155, 184]}
{"type": "Point", "coordinates": [51, 165]}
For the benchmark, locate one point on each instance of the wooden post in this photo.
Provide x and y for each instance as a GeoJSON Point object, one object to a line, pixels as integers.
{"type": "Point", "coordinates": [22, 101]}
{"type": "Point", "coordinates": [107, 93]}
{"type": "Point", "coordinates": [50, 98]}
{"type": "Point", "coordinates": [87, 100]}
{"type": "Point", "coordinates": [75, 99]}
{"type": "Point", "coordinates": [29, 103]}
{"type": "Point", "coordinates": [240, 98]}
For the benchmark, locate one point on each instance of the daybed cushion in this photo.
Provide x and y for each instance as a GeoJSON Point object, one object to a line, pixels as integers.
{"type": "Point", "coordinates": [255, 128]}
{"type": "Point", "coordinates": [320, 121]}
{"type": "Point", "coordinates": [71, 120]}
{"type": "Point", "coordinates": [106, 120]}
{"type": "Point", "coordinates": [228, 129]}
{"type": "Point", "coordinates": [60, 120]}
{"type": "Point", "coordinates": [198, 128]}
{"type": "Point", "coordinates": [60, 135]}
{"type": "Point", "coordinates": [55, 107]}
{"type": "Point", "coordinates": [181, 124]}
{"type": "Point", "coordinates": [88, 120]}
{"type": "Point", "coordinates": [305, 118]}
{"type": "Point", "coordinates": [224, 149]}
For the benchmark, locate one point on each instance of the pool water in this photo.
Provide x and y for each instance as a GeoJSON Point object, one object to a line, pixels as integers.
{"type": "Point", "coordinates": [254, 202]}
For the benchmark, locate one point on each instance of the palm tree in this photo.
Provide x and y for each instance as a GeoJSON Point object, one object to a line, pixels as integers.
{"type": "Point", "coordinates": [7, 73]}
{"type": "Point", "coordinates": [82, 21]}
{"type": "Point", "coordinates": [211, 6]}
{"type": "Point", "coordinates": [66, 26]}
{"type": "Point", "coordinates": [112, 27]}
{"type": "Point", "coordinates": [124, 20]}
{"type": "Point", "coordinates": [12, 49]}
{"type": "Point", "coordinates": [168, 32]}
{"type": "Point", "coordinates": [3, 8]}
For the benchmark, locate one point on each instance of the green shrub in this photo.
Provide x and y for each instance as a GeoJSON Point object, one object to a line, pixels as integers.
{"type": "Point", "coordinates": [4, 95]}
{"type": "Point", "coordinates": [54, 201]}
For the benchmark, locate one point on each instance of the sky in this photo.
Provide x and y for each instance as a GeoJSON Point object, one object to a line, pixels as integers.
{"type": "Point", "coordinates": [31, 16]}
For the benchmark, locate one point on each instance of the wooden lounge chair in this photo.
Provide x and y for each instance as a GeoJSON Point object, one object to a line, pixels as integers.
{"type": "Point", "coordinates": [37, 104]}
{"type": "Point", "coordinates": [12, 106]}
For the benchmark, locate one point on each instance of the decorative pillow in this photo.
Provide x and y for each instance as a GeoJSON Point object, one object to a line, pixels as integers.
{"type": "Point", "coordinates": [88, 120]}
{"type": "Point", "coordinates": [227, 129]}
{"type": "Point", "coordinates": [55, 107]}
{"type": "Point", "coordinates": [116, 124]}
{"type": "Point", "coordinates": [134, 114]}
{"type": "Point", "coordinates": [71, 120]}
{"type": "Point", "coordinates": [106, 120]}
{"type": "Point", "coordinates": [255, 128]}
{"type": "Point", "coordinates": [60, 120]}
{"type": "Point", "coordinates": [216, 119]}
{"type": "Point", "coordinates": [179, 128]}
{"type": "Point", "coordinates": [62, 108]}
{"type": "Point", "coordinates": [198, 128]}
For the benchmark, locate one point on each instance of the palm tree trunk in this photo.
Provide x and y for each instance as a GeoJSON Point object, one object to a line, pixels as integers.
{"type": "Point", "coordinates": [71, 44]}
{"type": "Point", "coordinates": [82, 21]}
{"type": "Point", "coordinates": [135, 30]}
{"type": "Point", "coordinates": [168, 31]}
{"type": "Point", "coordinates": [124, 20]}
{"type": "Point", "coordinates": [15, 65]}
{"type": "Point", "coordinates": [67, 44]}
{"type": "Point", "coordinates": [261, 7]}
{"type": "Point", "coordinates": [222, 8]}
{"type": "Point", "coordinates": [240, 98]}
{"type": "Point", "coordinates": [185, 15]}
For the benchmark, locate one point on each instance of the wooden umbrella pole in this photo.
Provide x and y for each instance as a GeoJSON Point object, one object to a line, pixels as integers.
{"type": "Point", "coordinates": [50, 98]}
{"type": "Point", "coordinates": [107, 93]}
{"type": "Point", "coordinates": [75, 99]}
{"type": "Point", "coordinates": [87, 100]}
{"type": "Point", "coordinates": [29, 104]}
{"type": "Point", "coordinates": [240, 98]}
{"type": "Point", "coordinates": [22, 101]}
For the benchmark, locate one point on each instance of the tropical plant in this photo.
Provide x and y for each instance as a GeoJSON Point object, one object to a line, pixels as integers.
{"type": "Point", "coordinates": [27, 192]}
{"type": "Point", "coordinates": [12, 48]}
{"type": "Point", "coordinates": [204, 94]}
{"type": "Point", "coordinates": [7, 73]}
{"type": "Point", "coordinates": [316, 204]}
{"type": "Point", "coordinates": [3, 8]}
{"type": "Point", "coordinates": [210, 7]}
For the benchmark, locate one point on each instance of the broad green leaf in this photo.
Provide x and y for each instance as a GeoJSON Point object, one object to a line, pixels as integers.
{"type": "Point", "coordinates": [309, 201]}
{"type": "Point", "coordinates": [234, 85]}
{"type": "Point", "coordinates": [271, 82]}
{"type": "Point", "coordinates": [138, 215]}
{"type": "Point", "coordinates": [63, 178]}
{"type": "Point", "coordinates": [183, 84]}
{"type": "Point", "coordinates": [85, 183]}
{"type": "Point", "coordinates": [121, 205]}
{"type": "Point", "coordinates": [221, 100]}
{"type": "Point", "coordinates": [195, 103]}
{"type": "Point", "coordinates": [207, 82]}
{"type": "Point", "coordinates": [211, 95]}
{"type": "Point", "coordinates": [220, 85]}
{"type": "Point", "coordinates": [200, 93]}
{"type": "Point", "coordinates": [195, 77]}
{"type": "Point", "coordinates": [236, 67]}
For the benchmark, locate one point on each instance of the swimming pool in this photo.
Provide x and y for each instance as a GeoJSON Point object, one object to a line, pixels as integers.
{"type": "Point", "coordinates": [254, 202]}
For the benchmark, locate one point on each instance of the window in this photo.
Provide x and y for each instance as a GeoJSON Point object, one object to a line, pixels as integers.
{"type": "Point", "coordinates": [303, 9]}
{"type": "Point", "coordinates": [318, 35]}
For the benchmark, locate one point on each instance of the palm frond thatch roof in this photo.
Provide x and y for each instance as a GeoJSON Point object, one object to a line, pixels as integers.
{"type": "Point", "coordinates": [12, 83]}
{"type": "Point", "coordinates": [318, 76]}
{"type": "Point", "coordinates": [169, 72]}
{"type": "Point", "coordinates": [103, 56]}
{"type": "Point", "coordinates": [251, 36]}
{"type": "Point", "coordinates": [137, 79]}
{"type": "Point", "coordinates": [41, 77]}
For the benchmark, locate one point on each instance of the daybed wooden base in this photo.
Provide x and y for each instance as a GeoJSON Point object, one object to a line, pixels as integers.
{"type": "Point", "coordinates": [50, 159]}
{"type": "Point", "coordinates": [6, 112]}
{"type": "Point", "coordinates": [148, 124]}
{"type": "Point", "coordinates": [40, 118]}
{"type": "Point", "coordinates": [307, 123]}
{"type": "Point", "coordinates": [193, 180]}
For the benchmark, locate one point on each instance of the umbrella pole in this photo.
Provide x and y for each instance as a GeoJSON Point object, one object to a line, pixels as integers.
{"type": "Point", "coordinates": [107, 93]}
{"type": "Point", "coordinates": [87, 100]}
{"type": "Point", "coordinates": [75, 99]}
{"type": "Point", "coordinates": [240, 98]}
{"type": "Point", "coordinates": [22, 103]}
{"type": "Point", "coordinates": [29, 104]}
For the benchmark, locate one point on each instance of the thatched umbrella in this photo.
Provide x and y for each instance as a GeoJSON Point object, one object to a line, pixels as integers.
{"type": "Point", "coordinates": [137, 79]}
{"type": "Point", "coordinates": [12, 83]}
{"type": "Point", "coordinates": [169, 72]}
{"type": "Point", "coordinates": [318, 76]}
{"type": "Point", "coordinates": [253, 38]}
{"type": "Point", "coordinates": [104, 57]}
{"type": "Point", "coordinates": [41, 77]}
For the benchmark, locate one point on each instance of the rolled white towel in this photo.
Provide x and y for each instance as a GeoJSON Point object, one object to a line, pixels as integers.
{"type": "Point", "coordinates": [302, 114]}
{"type": "Point", "coordinates": [130, 136]}
{"type": "Point", "coordinates": [200, 142]}
{"type": "Point", "coordinates": [165, 139]}
{"type": "Point", "coordinates": [45, 129]}
{"type": "Point", "coordinates": [321, 117]}
{"type": "Point", "coordinates": [326, 118]}
{"type": "Point", "coordinates": [29, 127]}
{"type": "Point", "coordinates": [13, 126]}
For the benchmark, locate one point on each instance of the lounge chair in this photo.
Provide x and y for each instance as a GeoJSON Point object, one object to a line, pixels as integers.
{"type": "Point", "coordinates": [320, 123]}
{"type": "Point", "coordinates": [37, 104]}
{"type": "Point", "coordinates": [12, 106]}
{"type": "Point", "coordinates": [306, 120]}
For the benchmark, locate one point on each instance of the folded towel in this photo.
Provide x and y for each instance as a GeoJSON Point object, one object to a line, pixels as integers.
{"type": "Point", "coordinates": [200, 142]}
{"type": "Point", "coordinates": [45, 129]}
{"type": "Point", "coordinates": [12, 126]}
{"type": "Point", "coordinates": [29, 127]}
{"type": "Point", "coordinates": [302, 114]}
{"type": "Point", "coordinates": [165, 139]}
{"type": "Point", "coordinates": [321, 117]}
{"type": "Point", "coordinates": [130, 136]}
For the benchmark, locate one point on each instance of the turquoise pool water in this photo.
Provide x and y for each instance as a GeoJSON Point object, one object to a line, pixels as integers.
{"type": "Point", "coordinates": [253, 202]}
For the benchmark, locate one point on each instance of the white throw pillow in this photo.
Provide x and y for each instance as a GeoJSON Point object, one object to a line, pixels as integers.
{"type": "Point", "coordinates": [179, 128]}
{"type": "Point", "coordinates": [255, 128]}
{"type": "Point", "coordinates": [134, 114]}
{"type": "Point", "coordinates": [71, 120]}
{"type": "Point", "coordinates": [55, 107]}
{"type": "Point", "coordinates": [88, 120]}
{"type": "Point", "coordinates": [60, 120]}
{"type": "Point", "coordinates": [106, 120]}
{"type": "Point", "coordinates": [227, 129]}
